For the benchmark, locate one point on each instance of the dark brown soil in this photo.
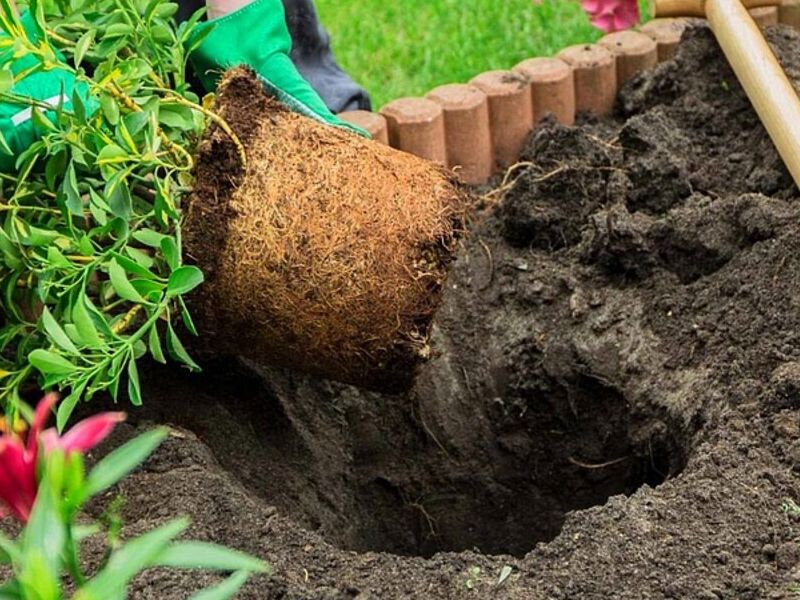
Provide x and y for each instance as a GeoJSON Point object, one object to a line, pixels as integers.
{"type": "Point", "coordinates": [613, 410]}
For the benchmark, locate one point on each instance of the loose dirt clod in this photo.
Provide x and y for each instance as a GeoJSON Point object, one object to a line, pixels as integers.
{"type": "Point", "coordinates": [615, 415]}
{"type": "Point", "coordinates": [328, 253]}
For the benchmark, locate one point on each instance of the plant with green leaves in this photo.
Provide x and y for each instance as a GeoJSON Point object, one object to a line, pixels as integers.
{"type": "Point", "coordinates": [92, 276]}
{"type": "Point", "coordinates": [44, 484]}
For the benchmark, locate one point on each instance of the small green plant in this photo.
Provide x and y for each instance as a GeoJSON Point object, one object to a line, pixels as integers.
{"type": "Point", "coordinates": [92, 276]}
{"type": "Point", "coordinates": [473, 577]}
{"type": "Point", "coordinates": [43, 483]}
{"type": "Point", "coordinates": [790, 506]}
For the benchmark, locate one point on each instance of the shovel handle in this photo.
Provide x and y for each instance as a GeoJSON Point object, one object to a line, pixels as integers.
{"type": "Point", "coordinates": [697, 8]}
{"type": "Point", "coordinates": [771, 93]}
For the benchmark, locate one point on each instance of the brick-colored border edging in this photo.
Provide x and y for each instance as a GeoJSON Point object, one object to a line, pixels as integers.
{"type": "Point", "coordinates": [480, 127]}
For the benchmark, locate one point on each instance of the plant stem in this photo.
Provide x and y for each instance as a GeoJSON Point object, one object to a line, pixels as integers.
{"type": "Point", "coordinates": [73, 563]}
{"type": "Point", "coordinates": [222, 123]}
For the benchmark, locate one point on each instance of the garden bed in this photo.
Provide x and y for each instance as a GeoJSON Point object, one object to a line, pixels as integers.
{"type": "Point", "coordinates": [613, 408]}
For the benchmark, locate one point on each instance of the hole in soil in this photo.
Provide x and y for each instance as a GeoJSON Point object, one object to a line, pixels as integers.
{"type": "Point", "coordinates": [369, 475]}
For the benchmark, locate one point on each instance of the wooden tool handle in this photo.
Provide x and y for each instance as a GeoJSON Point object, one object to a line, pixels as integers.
{"type": "Point", "coordinates": [697, 8]}
{"type": "Point", "coordinates": [760, 74]}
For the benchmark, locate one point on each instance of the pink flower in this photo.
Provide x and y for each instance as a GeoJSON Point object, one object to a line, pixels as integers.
{"type": "Point", "coordinates": [19, 458]}
{"type": "Point", "coordinates": [612, 15]}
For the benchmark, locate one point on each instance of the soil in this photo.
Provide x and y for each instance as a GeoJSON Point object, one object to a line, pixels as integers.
{"type": "Point", "coordinates": [613, 409]}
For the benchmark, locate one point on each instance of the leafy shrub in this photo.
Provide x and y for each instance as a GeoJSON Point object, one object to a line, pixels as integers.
{"type": "Point", "coordinates": [92, 276]}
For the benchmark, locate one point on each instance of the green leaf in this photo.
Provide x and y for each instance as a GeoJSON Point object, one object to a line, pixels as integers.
{"type": "Point", "coordinates": [83, 323]}
{"type": "Point", "coordinates": [133, 267]}
{"type": "Point", "coordinates": [67, 405]}
{"type": "Point", "coordinates": [148, 237]}
{"type": "Point", "coordinates": [56, 333]}
{"type": "Point", "coordinates": [4, 147]}
{"type": "Point", "coordinates": [118, 196]}
{"type": "Point", "coordinates": [85, 246]}
{"type": "Point", "coordinates": [140, 257]}
{"type": "Point", "coordinates": [203, 555]}
{"type": "Point", "coordinates": [110, 109]}
{"type": "Point", "coordinates": [73, 334]}
{"type": "Point", "coordinates": [171, 253]}
{"type": "Point", "coordinates": [6, 80]}
{"type": "Point", "coordinates": [40, 237]}
{"type": "Point", "coordinates": [8, 550]}
{"type": "Point", "coordinates": [78, 107]}
{"type": "Point", "coordinates": [154, 343]}
{"type": "Point", "coordinates": [11, 253]}
{"type": "Point", "coordinates": [82, 46]}
{"type": "Point", "coordinates": [11, 591]}
{"type": "Point", "coordinates": [70, 190]}
{"type": "Point", "coordinates": [57, 259]}
{"type": "Point", "coordinates": [44, 539]}
{"type": "Point", "coordinates": [177, 351]}
{"type": "Point", "coordinates": [226, 589]}
{"type": "Point", "coordinates": [112, 155]}
{"type": "Point", "coordinates": [40, 120]}
{"type": "Point", "coordinates": [117, 30]}
{"type": "Point", "coordinates": [134, 387]}
{"type": "Point", "coordinates": [122, 461]}
{"type": "Point", "coordinates": [135, 122]}
{"type": "Point", "coordinates": [50, 363]}
{"type": "Point", "coordinates": [176, 116]}
{"type": "Point", "coordinates": [54, 168]}
{"type": "Point", "coordinates": [121, 285]}
{"type": "Point", "coordinates": [151, 290]}
{"type": "Point", "coordinates": [166, 10]}
{"type": "Point", "coordinates": [183, 280]}
{"type": "Point", "coordinates": [163, 34]}
{"type": "Point", "coordinates": [186, 317]}
{"type": "Point", "coordinates": [125, 563]}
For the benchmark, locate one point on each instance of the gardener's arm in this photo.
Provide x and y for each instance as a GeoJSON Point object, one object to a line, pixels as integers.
{"type": "Point", "coordinates": [44, 88]}
{"type": "Point", "coordinates": [254, 33]}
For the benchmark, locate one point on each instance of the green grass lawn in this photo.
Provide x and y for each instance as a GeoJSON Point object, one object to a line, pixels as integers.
{"type": "Point", "coordinates": [400, 48]}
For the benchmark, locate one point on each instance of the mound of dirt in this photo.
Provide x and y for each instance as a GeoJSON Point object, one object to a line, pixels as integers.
{"type": "Point", "coordinates": [613, 412]}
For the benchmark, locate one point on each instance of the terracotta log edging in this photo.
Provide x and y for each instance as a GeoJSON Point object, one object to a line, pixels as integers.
{"type": "Point", "coordinates": [789, 13]}
{"type": "Point", "coordinates": [472, 127]}
{"type": "Point", "coordinates": [595, 71]}
{"type": "Point", "coordinates": [416, 125]}
{"type": "Point", "coordinates": [634, 52]}
{"type": "Point", "coordinates": [510, 113]}
{"type": "Point", "coordinates": [467, 131]}
{"type": "Point", "coordinates": [374, 123]}
{"type": "Point", "coordinates": [765, 16]}
{"type": "Point", "coordinates": [552, 88]}
{"type": "Point", "coordinates": [667, 34]}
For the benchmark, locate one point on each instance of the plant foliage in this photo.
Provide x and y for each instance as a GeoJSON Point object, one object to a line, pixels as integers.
{"type": "Point", "coordinates": [47, 553]}
{"type": "Point", "coordinates": [92, 275]}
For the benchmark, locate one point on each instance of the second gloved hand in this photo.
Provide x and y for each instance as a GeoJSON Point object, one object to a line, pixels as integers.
{"type": "Point", "coordinates": [52, 87]}
{"type": "Point", "coordinates": [256, 36]}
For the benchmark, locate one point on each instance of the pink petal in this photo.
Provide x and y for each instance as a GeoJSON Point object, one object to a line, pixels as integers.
{"type": "Point", "coordinates": [43, 410]}
{"type": "Point", "coordinates": [90, 432]}
{"type": "Point", "coordinates": [17, 478]}
{"type": "Point", "coordinates": [612, 15]}
{"type": "Point", "coordinates": [49, 440]}
{"type": "Point", "coordinates": [627, 16]}
{"type": "Point", "coordinates": [593, 6]}
{"type": "Point", "coordinates": [604, 22]}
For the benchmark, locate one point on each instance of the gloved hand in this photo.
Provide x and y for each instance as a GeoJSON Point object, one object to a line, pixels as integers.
{"type": "Point", "coordinates": [257, 36]}
{"type": "Point", "coordinates": [50, 87]}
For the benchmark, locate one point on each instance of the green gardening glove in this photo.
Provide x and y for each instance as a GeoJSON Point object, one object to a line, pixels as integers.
{"type": "Point", "coordinates": [50, 87]}
{"type": "Point", "coordinates": [257, 36]}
